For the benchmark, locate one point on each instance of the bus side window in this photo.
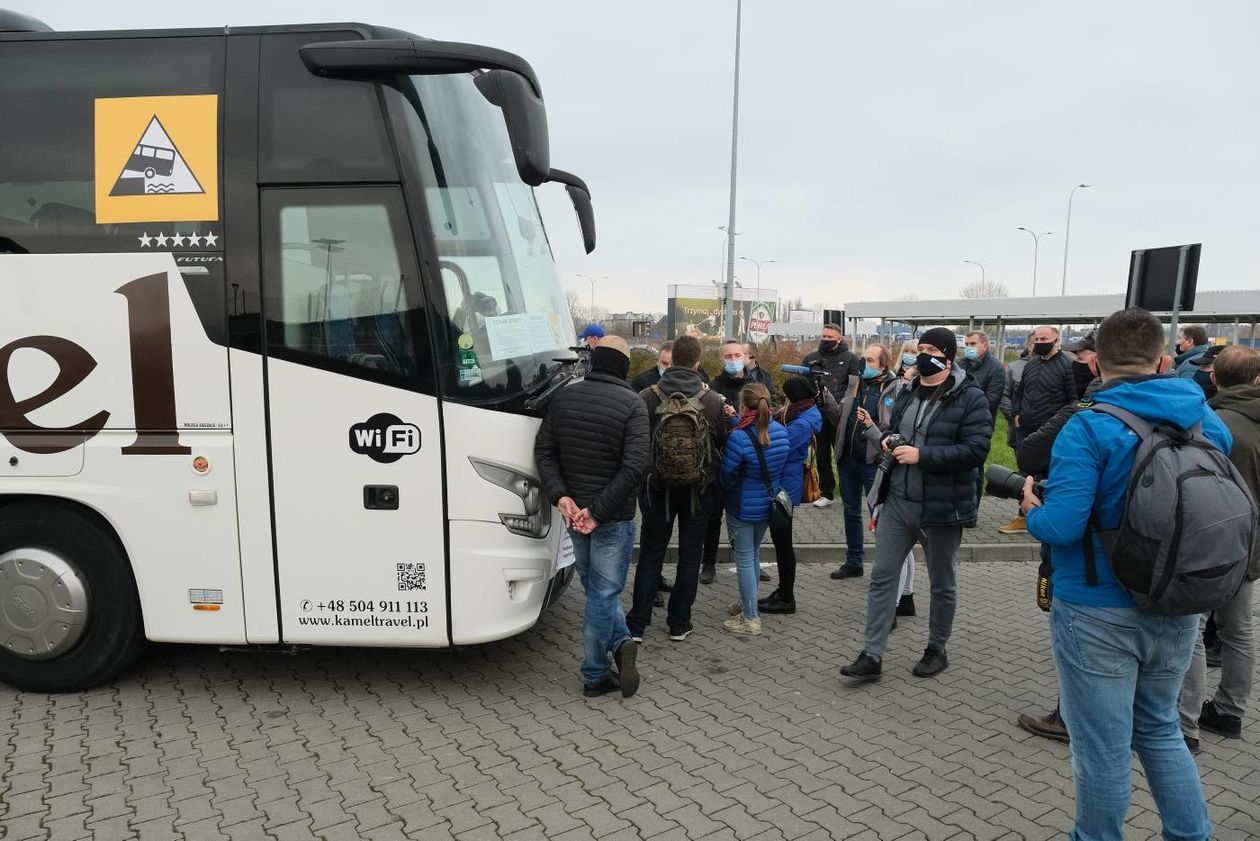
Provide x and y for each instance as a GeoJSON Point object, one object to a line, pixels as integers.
{"type": "Point", "coordinates": [340, 282]}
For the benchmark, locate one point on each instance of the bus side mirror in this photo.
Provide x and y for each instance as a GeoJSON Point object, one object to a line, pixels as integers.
{"type": "Point", "coordinates": [509, 82]}
{"type": "Point", "coordinates": [580, 195]}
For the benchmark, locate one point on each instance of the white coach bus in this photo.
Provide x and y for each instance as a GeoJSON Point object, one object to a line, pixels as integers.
{"type": "Point", "coordinates": [277, 390]}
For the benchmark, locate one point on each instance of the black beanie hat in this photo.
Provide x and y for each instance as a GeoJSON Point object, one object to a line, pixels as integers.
{"type": "Point", "coordinates": [943, 340]}
{"type": "Point", "coordinates": [798, 388]}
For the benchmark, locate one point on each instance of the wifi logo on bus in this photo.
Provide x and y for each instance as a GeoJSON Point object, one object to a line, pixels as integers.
{"type": "Point", "coordinates": [385, 438]}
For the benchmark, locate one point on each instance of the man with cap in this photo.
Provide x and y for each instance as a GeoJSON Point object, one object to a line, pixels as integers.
{"type": "Point", "coordinates": [590, 336]}
{"type": "Point", "coordinates": [927, 497]}
{"type": "Point", "coordinates": [1083, 353]}
{"type": "Point", "coordinates": [1203, 367]}
{"type": "Point", "coordinates": [592, 452]}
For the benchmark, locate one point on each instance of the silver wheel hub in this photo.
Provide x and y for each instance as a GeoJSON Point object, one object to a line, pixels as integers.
{"type": "Point", "coordinates": [43, 604]}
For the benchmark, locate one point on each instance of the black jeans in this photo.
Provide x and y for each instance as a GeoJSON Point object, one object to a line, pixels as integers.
{"type": "Point", "coordinates": [826, 464]}
{"type": "Point", "coordinates": [660, 509]}
{"type": "Point", "coordinates": [713, 530]}
{"type": "Point", "coordinates": [785, 555]}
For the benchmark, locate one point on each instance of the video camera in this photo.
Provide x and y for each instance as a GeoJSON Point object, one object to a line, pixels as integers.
{"type": "Point", "coordinates": [814, 371]}
{"type": "Point", "coordinates": [1008, 484]}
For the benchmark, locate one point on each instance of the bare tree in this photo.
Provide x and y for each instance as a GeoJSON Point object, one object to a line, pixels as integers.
{"type": "Point", "coordinates": [987, 288]}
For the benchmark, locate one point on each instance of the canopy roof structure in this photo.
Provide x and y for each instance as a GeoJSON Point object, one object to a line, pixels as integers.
{"type": "Point", "coordinates": [1241, 305]}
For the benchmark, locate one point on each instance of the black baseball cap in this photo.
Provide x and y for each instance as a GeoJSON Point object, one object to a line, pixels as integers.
{"type": "Point", "coordinates": [1080, 343]}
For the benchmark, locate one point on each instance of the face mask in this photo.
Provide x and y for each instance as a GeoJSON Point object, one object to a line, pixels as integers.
{"type": "Point", "coordinates": [930, 365]}
{"type": "Point", "coordinates": [971, 352]}
{"type": "Point", "coordinates": [734, 368]}
{"type": "Point", "coordinates": [907, 359]}
{"type": "Point", "coordinates": [870, 373]}
{"type": "Point", "coordinates": [828, 345]}
{"type": "Point", "coordinates": [1042, 348]}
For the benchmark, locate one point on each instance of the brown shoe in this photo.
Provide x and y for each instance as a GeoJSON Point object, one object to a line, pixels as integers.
{"type": "Point", "coordinates": [1049, 727]}
{"type": "Point", "coordinates": [1015, 526]}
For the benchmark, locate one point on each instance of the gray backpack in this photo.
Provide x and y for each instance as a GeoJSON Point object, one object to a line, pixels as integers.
{"type": "Point", "coordinates": [1189, 522]}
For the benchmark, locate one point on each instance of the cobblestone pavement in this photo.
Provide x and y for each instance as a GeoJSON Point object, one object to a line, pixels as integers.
{"type": "Point", "coordinates": [750, 738]}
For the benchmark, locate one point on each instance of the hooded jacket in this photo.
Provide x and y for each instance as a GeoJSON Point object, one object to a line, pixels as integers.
{"type": "Point", "coordinates": [1239, 409]}
{"type": "Point", "coordinates": [953, 444]}
{"type": "Point", "coordinates": [592, 446]}
{"type": "Point", "coordinates": [746, 497]}
{"type": "Point", "coordinates": [1092, 460]}
{"type": "Point", "coordinates": [801, 431]}
{"type": "Point", "coordinates": [687, 382]}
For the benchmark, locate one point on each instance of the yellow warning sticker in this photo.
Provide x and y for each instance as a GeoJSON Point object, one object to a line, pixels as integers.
{"type": "Point", "coordinates": [157, 159]}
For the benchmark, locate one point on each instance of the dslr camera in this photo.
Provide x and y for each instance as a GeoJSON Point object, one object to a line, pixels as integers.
{"type": "Point", "coordinates": [888, 461]}
{"type": "Point", "coordinates": [814, 371]}
{"type": "Point", "coordinates": [1009, 484]}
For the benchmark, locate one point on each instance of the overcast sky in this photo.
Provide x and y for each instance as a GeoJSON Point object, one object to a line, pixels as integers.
{"type": "Point", "coordinates": [881, 144]}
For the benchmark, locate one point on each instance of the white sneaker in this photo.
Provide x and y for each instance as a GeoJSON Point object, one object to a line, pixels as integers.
{"type": "Point", "coordinates": [822, 502]}
{"type": "Point", "coordinates": [740, 625]}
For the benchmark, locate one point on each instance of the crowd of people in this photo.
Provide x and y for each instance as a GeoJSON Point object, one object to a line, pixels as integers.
{"type": "Point", "coordinates": [904, 438]}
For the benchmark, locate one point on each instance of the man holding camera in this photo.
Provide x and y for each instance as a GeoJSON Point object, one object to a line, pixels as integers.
{"type": "Point", "coordinates": [927, 494]}
{"type": "Point", "coordinates": [1120, 668]}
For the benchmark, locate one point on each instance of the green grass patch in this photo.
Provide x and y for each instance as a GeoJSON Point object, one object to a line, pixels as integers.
{"type": "Point", "coordinates": [999, 453]}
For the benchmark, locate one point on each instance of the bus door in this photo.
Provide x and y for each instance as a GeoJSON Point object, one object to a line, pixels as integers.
{"type": "Point", "coordinates": [355, 441]}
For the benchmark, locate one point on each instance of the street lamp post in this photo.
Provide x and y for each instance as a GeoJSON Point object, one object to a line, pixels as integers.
{"type": "Point", "coordinates": [592, 280]}
{"type": "Point", "coordinates": [981, 265]}
{"type": "Point", "coordinates": [1035, 244]}
{"type": "Point", "coordinates": [729, 315]}
{"type": "Point", "coordinates": [1067, 235]}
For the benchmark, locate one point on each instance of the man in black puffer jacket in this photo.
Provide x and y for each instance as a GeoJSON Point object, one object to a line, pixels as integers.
{"type": "Point", "coordinates": [838, 364]}
{"type": "Point", "coordinates": [592, 452]}
{"type": "Point", "coordinates": [928, 497]}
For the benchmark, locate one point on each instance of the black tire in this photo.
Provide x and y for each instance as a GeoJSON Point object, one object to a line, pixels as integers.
{"type": "Point", "coordinates": [113, 637]}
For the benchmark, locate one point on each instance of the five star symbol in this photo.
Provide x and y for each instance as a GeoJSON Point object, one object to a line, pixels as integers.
{"type": "Point", "coordinates": [178, 240]}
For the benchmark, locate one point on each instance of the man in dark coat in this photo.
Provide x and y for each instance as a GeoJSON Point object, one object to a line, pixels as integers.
{"type": "Point", "coordinates": [989, 375]}
{"type": "Point", "coordinates": [691, 507]}
{"type": "Point", "coordinates": [838, 363]}
{"type": "Point", "coordinates": [592, 453]}
{"type": "Point", "coordinates": [652, 376]}
{"type": "Point", "coordinates": [1045, 385]}
{"type": "Point", "coordinates": [927, 497]}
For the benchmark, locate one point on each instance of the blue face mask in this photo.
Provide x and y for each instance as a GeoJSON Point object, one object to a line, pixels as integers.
{"type": "Point", "coordinates": [870, 373]}
{"type": "Point", "coordinates": [735, 367]}
{"type": "Point", "coordinates": [971, 352]}
{"type": "Point", "coordinates": [907, 359]}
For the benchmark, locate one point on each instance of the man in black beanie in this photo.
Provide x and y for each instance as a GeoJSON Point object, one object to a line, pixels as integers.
{"type": "Point", "coordinates": [927, 497]}
{"type": "Point", "coordinates": [592, 454]}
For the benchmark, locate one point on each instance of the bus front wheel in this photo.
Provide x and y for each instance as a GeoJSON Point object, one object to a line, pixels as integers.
{"type": "Point", "coordinates": [69, 613]}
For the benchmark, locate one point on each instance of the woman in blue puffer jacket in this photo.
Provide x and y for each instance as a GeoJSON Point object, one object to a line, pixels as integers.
{"type": "Point", "coordinates": [747, 498]}
{"type": "Point", "coordinates": [803, 420]}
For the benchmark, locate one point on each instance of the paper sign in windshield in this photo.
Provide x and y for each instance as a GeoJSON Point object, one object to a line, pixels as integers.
{"type": "Point", "coordinates": [524, 334]}
{"type": "Point", "coordinates": [157, 159]}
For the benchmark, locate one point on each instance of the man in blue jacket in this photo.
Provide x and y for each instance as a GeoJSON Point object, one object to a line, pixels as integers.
{"type": "Point", "coordinates": [928, 497]}
{"type": "Point", "coordinates": [1120, 668]}
{"type": "Point", "coordinates": [1192, 342]}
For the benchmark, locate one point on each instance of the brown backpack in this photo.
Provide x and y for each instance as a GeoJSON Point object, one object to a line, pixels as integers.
{"type": "Point", "coordinates": [681, 450]}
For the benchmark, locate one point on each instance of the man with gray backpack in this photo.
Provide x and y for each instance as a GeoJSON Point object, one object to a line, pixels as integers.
{"type": "Point", "coordinates": [1149, 525]}
{"type": "Point", "coordinates": [688, 430]}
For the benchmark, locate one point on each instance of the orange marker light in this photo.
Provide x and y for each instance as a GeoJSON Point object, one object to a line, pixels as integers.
{"type": "Point", "coordinates": [206, 607]}
{"type": "Point", "coordinates": [201, 464]}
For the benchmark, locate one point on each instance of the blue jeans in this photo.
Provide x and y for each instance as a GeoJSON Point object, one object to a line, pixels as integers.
{"type": "Point", "coordinates": [602, 561]}
{"type": "Point", "coordinates": [856, 477]}
{"type": "Point", "coordinates": [1120, 671]}
{"type": "Point", "coordinates": [745, 542]}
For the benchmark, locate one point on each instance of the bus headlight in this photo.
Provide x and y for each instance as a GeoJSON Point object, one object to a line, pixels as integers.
{"type": "Point", "coordinates": [536, 521]}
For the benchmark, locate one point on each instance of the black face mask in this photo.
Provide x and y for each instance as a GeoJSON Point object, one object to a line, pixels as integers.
{"type": "Point", "coordinates": [1043, 348]}
{"type": "Point", "coordinates": [930, 365]}
{"type": "Point", "coordinates": [1082, 377]}
{"type": "Point", "coordinates": [828, 345]}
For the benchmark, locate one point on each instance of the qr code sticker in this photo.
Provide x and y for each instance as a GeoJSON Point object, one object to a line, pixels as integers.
{"type": "Point", "coordinates": [411, 577]}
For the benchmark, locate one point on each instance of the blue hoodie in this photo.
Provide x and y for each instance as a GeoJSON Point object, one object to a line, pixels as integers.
{"type": "Point", "coordinates": [801, 432]}
{"type": "Point", "coordinates": [1091, 463]}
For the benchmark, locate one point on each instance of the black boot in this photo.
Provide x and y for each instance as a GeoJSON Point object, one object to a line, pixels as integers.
{"type": "Point", "coordinates": [775, 603]}
{"type": "Point", "coordinates": [932, 663]}
{"type": "Point", "coordinates": [707, 572]}
{"type": "Point", "coordinates": [905, 606]}
{"type": "Point", "coordinates": [608, 684]}
{"type": "Point", "coordinates": [1229, 726]}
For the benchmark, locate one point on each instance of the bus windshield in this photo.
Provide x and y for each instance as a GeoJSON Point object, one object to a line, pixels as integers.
{"type": "Point", "coordinates": [506, 312]}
